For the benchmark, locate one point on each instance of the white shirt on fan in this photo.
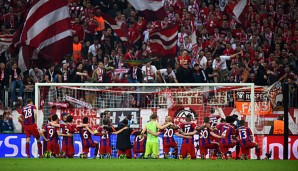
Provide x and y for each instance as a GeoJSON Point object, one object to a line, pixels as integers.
{"type": "Point", "coordinates": [222, 63]}
{"type": "Point", "coordinates": [202, 62]}
{"type": "Point", "coordinates": [166, 75]}
{"type": "Point", "coordinates": [93, 49]}
{"type": "Point", "coordinates": [146, 73]}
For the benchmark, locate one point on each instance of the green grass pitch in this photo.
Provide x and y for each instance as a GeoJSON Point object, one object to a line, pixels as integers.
{"type": "Point", "coordinates": [143, 164]}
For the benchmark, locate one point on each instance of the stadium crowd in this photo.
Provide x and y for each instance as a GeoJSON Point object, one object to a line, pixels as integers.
{"type": "Point", "coordinates": [261, 49]}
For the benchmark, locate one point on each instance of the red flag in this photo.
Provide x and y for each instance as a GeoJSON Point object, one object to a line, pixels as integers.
{"type": "Point", "coordinates": [5, 41]}
{"type": "Point", "coordinates": [164, 42]}
{"type": "Point", "coordinates": [238, 10]}
{"type": "Point", "coordinates": [193, 37]}
{"type": "Point", "coordinates": [46, 29]}
{"type": "Point", "coordinates": [119, 27]}
{"type": "Point", "coordinates": [152, 10]}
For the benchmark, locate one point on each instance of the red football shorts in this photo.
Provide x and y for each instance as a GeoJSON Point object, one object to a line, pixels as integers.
{"type": "Point", "coordinates": [245, 149]}
{"type": "Point", "coordinates": [204, 149]}
{"type": "Point", "coordinates": [225, 147]}
{"type": "Point", "coordinates": [188, 149]}
{"type": "Point", "coordinates": [86, 146]}
{"type": "Point", "coordinates": [168, 146]}
{"type": "Point", "coordinates": [105, 150]}
{"type": "Point", "coordinates": [53, 147]}
{"type": "Point", "coordinates": [31, 130]}
{"type": "Point", "coordinates": [68, 149]}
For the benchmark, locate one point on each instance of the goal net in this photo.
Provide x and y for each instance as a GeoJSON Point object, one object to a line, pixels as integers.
{"type": "Point", "coordinates": [141, 100]}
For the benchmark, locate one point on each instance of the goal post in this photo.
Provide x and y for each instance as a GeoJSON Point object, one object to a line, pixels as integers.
{"type": "Point", "coordinates": [142, 99]}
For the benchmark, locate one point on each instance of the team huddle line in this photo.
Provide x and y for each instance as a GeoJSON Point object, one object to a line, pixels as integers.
{"type": "Point", "coordinates": [216, 137]}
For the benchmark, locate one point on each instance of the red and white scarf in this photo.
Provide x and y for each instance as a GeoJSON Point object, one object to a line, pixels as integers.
{"type": "Point", "coordinates": [65, 76]}
{"type": "Point", "coordinates": [134, 73]}
{"type": "Point", "coordinates": [99, 74]}
{"type": "Point", "coordinates": [15, 74]}
{"type": "Point", "coordinates": [2, 75]}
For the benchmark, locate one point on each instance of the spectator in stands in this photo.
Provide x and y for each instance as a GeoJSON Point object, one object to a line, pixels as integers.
{"type": "Point", "coordinates": [77, 48]}
{"type": "Point", "coordinates": [28, 84]}
{"type": "Point", "coordinates": [258, 73]}
{"type": "Point", "coordinates": [94, 48]}
{"type": "Point", "coordinates": [135, 75]}
{"type": "Point", "coordinates": [6, 125]}
{"type": "Point", "coordinates": [78, 75]}
{"type": "Point", "coordinates": [212, 76]}
{"type": "Point", "coordinates": [201, 59]}
{"type": "Point", "coordinates": [184, 73]}
{"type": "Point", "coordinates": [220, 65]}
{"type": "Point", "coordinates": [276, 73]}
{"type": "Point", "coordinates": [16, 80]}
{"type": "Point", "coordinates": [64, 74]}
{"type": "Point", "coordinates": [184, 59]}
{"type": "Point", "coordinates": [144, 53]}
{"type": "Point", "coordinates": [100, 21]}
{"type": "Point", "coordinates": [78, 30]}
{"type": "Point", "coordinates": [149, 73]}
{"type": "Point", "coordinates": [130, 55]}
{"type": "Point", "coordinates": [36, 74]}
{"type": "Point", "coordinates": [93, 65]}
{"type": "Point", "coordinates": [4, 78]}
{"type": "Point", "coordinates": [166, 75]}
{"type": "Point", "coordinates": [90, 27]}
{"type": "Point", "coordinates": [51, 74]}
{"type": "Point", "coordinates": [199, 74]}
{"type": "Point", "coordinates": [244, 74]}
{"type": "Point", "coordinates": [100, 74]}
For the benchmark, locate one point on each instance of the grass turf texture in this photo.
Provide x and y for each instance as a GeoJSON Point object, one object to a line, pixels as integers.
{"type": "Point", "coordinates": [143, 164]}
